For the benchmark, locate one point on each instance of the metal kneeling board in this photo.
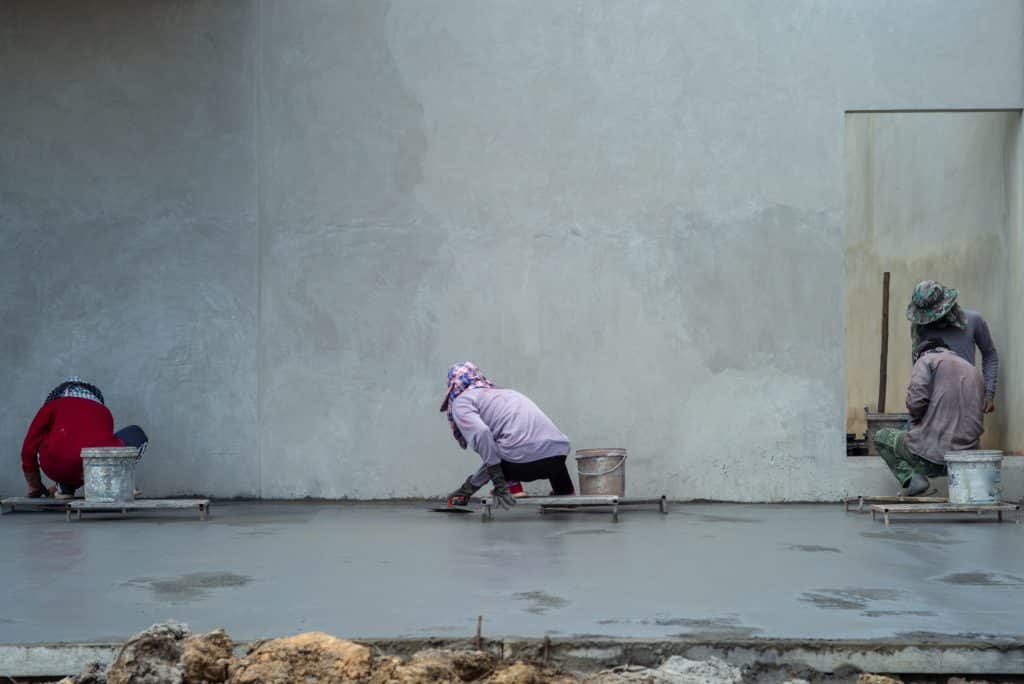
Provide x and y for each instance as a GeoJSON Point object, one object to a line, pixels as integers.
{"type": "Point", "coordinates": [571, 503]}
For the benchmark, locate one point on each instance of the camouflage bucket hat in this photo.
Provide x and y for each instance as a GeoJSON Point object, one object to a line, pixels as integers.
{"type": "Point", "coordinates": [930, 302]}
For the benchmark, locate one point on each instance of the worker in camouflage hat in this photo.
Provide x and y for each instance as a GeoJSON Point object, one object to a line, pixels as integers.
{"type": "Point", "coordinates": [934, 312]}
{"type": "Point", "coordinates": [932, 302]}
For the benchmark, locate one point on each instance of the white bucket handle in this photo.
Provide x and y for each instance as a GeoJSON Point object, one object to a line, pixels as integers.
{"type": "Point", "coordinates": [621, 463]}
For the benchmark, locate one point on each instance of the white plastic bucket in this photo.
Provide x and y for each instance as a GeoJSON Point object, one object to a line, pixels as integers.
{"type": "Point", "coordinates": [975, 477]}
{"type": "Point", "coordinates": [109, 473]}
{"type": "Point", "coordinates": [601, 471]}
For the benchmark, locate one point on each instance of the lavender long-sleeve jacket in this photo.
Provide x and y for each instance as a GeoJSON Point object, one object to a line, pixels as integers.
{"type": "Point", "coordinates": [504, 425]}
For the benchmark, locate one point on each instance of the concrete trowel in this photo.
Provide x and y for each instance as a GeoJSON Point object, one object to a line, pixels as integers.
{"type": "Point", "coordinates": [445, 507]}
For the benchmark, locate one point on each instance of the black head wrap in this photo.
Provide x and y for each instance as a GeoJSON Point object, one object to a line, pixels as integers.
{"type": "Point", "coordinates": [73, 384]}
{"type": "Point", "coordinates": [929, 345]}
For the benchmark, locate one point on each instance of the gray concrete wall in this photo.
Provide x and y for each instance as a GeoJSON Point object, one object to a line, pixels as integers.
{"type": "Point", "coordinates": [634, 214]}
{"type": "Point", "coordinates": [128, 211]}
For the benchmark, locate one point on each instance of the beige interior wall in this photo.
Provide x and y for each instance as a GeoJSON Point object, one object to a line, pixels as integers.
{"type": "Point", "coordinates": [1012, 354]}
{"type": "Point", "coordinates": [927, 198]}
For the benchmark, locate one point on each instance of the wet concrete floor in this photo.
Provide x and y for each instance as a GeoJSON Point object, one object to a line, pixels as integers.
{"type": "Point", "coordinates": [390, 570]}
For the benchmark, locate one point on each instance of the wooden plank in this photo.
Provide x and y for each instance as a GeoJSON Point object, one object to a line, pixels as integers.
{"type": "Point", "coordinates": [641, 501]}
{"type": "Point", "coordinates": [883, 364]}
{"type": "Point", "coordinates": [897, 499]}
{"type": "Point", "coordinates": [589, 500]}
{"type": "Point", "coordinates": [945, 508]}
{"type": "Point", "coordinates": [575, 501]}
{"type": "Point", "coordinates": [40, 501]}
{"type": "Point", "coordinates": [571, 503]}
{"type": "Point", "coordinates": [78, 507]}
{"type": "Point", "coordinates": [661, 503]}
{"type": "Point", "coordinates": [925, 509]}
{"type": "Point", "coordinates": [859, 502]}
{"type": "Point", "coordinates": [25, 503]}
{"type": "Point", "coordinates": [584, 501]}
{"type": "Point", "coordinates": [138, 504]}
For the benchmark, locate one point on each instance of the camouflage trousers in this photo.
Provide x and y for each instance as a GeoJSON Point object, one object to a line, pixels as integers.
{"type": "Point", "coordinates": [892, 447]}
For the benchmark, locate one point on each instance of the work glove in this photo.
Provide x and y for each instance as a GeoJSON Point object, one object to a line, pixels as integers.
{"type": "Point", "coordinates": [460, 497]}
{"type": "Point", "coordinates": [501, 495]}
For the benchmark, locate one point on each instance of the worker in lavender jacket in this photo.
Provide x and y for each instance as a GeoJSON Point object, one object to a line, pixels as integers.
{"type": "Point", "coordinates": [513, 437]}
{"type": "Point", "coordinates": [934, 313]}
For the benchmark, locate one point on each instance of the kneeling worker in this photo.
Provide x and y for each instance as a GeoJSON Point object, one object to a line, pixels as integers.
{"type": "Point", "coordinates": [946, 401]}
{"type": "Point", "coordinates": [934, 312]}
{"type": "Point", "coordinates": [514, 438]}
{"type": "Point", "coordinates": [72, 418]}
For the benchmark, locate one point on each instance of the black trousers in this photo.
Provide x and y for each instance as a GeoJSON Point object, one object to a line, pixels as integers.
{"type": "Point", "coordinates": [134, 436]}
{"type": "Point", "coordinates": [551, 469]}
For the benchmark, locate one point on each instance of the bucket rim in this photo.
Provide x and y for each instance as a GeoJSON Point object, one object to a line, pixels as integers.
{"type": "Point", "coordinates": [109, 452]}
{"type": "Point", "coordinates": [978, 456]}
{"type": "Point", "coordinates": [594, 453]}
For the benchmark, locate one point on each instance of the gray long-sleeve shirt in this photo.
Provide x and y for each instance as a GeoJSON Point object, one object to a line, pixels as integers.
{"type": "Point", "coordinates": [945, 404]}
{"type": "Point", "coordinates": [504, 425]}
{"type": "Point", "coordinates": [963, 342]}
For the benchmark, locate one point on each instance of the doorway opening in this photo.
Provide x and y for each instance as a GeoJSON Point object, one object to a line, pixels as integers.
{"type": "Point", "coordinates": [930, 195]}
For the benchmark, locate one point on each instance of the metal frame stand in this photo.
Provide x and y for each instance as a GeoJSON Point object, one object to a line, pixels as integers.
{"type": "Point", "coordinates": [79, 506]}
{"type": "Point", "coordinates": [945, 508]}
{"type": "Point", "coordinates": [574, 503]}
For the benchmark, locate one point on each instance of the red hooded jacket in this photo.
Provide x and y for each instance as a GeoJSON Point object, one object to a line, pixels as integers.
{"type": "Point", "coordinates": [59, 432]}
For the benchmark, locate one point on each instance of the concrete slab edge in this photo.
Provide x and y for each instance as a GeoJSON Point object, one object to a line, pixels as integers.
{"type": "Point", "coordinates": [588, 654]}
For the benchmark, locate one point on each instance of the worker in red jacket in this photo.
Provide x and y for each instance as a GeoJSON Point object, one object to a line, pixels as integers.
{"type": "Point", "coordinates": [72, 418]}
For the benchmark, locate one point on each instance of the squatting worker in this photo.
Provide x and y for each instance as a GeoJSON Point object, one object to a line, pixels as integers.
{"type": "Point", "coordinates": [945, 400]}
{"type": "Point", "coordinates": [72, 418]}
{"type": "Point", "coordinates": [514, 438]}
{"type": "Point", "coordinates": [934, 312]}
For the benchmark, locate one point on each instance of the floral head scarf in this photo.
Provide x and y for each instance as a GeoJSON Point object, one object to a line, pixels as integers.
{"type": "Point", "coordinates": [461, 377]}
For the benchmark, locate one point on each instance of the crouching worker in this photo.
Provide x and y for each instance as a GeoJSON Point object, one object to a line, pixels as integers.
{"type": "Point", "coordinates": [72, 418]}
{"type": "Point", "coordinates": [514, 438]}
{"type": "Point", "coordinates": [946, 401]}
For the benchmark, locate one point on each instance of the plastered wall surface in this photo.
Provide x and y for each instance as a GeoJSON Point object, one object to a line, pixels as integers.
{"type": "Point", "coordinates": [128, 216]}
{"type": "Point", "coordinates": [1012, 359]}
{"type": "Point", "coordinates": [265, 229]}
{"type": "Point", "coordinates": [928, 197]}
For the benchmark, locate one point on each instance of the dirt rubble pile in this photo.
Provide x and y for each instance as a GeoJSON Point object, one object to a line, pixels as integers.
{"type": "Point", "coordinates": [675, 670]}
{"type": "Point", "coordinates": [312, 656]}
{"type": "Point", "coordinates": [169, 653]}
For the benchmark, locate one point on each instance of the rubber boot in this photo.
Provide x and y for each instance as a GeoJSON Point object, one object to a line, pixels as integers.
{"type": "Point", "coordinates": [917, 485]}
